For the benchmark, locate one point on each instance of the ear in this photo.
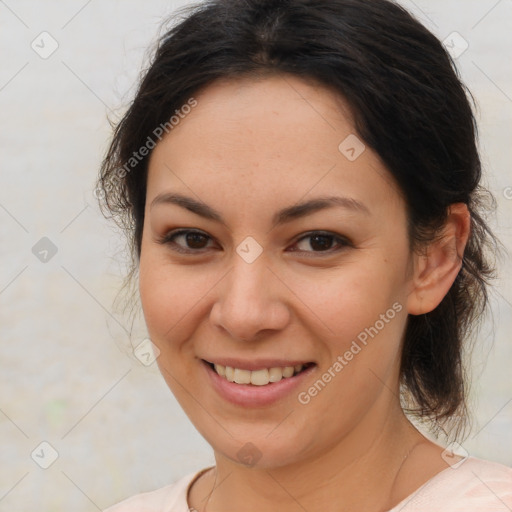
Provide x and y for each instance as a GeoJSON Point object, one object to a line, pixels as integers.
{"type": "Point", "coordinates": [435, 270]}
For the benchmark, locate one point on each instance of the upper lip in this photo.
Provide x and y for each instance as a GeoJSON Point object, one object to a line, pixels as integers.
{"type": "Point", "coordinates": [255, 364]}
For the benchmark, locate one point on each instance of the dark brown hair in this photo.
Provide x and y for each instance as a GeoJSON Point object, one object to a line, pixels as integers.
{"type": "Point", "coordinates": [409, 106]}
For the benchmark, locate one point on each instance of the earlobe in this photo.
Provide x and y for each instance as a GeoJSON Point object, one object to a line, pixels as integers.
{"type": "Point", "coordinates": [435, 270]}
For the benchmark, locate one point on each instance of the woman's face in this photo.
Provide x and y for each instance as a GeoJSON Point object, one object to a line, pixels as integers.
{"type": "Point", "coordinates": [326, 285]}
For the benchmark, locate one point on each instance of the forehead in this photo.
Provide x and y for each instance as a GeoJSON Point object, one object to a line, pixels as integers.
{"type": "Point", "coordinates": [275, 139]}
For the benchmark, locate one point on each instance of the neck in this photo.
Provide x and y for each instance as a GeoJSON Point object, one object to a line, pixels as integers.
{"type": "Point", "coordinates": [373, 455]}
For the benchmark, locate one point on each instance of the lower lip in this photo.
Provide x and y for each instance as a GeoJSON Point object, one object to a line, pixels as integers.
{"type": "Point", "coordinates": [248, 395]}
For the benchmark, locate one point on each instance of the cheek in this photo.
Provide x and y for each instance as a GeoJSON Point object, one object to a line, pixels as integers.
{"type": "Point", "coordinates": [170, 297]}
{"type": "Point", "coordinates": [176, 301]}
{"type": "Point", "coordinates": [346, 300]}
{"type": "Point", "coordinates": [362, 313]}
{"type": "Point", "coordinates": [362, 320]}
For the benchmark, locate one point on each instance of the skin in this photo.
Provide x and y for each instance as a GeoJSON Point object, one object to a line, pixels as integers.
{"type": "Point", "coordinates": [248, 149]}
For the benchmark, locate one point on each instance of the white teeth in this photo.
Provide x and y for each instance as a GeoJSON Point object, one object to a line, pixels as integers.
{"type": "Point", "coordinates": [242, 376]}
{"type": "Point", "coordinates": [221, 370]}
{"type": "Point", "coordinates": [288, 371]}
{"type": "Point", "coordinates": [275, 374]}
{"type": "Point", "coordinates": [258, 377]}
{"type": "Point", "coordinates": [229, 374]}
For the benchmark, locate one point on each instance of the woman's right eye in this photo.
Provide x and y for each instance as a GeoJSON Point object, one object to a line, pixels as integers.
{"type": "Point", "coordinates": [192, 241]}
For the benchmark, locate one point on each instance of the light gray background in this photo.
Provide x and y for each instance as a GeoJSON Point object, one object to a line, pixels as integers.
{"type": "Point", "coordinates": [66, 373]}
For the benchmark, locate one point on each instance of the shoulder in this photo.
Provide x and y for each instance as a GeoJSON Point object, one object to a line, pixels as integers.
{"type": "Point", "coordinates": [474, 473]}
{"type": "Point", "coordinates": [162, 499]}
{"type": "Point", "coordinates": [489, 480]}
{"type": "Point", "coordinates": [473, 485]}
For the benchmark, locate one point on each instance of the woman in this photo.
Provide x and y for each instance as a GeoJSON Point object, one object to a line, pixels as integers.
{"type": "Point", "coordinates": [300, 185]}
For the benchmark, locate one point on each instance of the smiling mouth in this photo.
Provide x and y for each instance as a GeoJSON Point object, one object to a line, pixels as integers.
{"type": "Point", "coordinates": [262, 377]}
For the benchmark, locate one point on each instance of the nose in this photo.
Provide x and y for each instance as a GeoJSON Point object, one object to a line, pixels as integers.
{"type": "Point", "coordinates": [251, 299]}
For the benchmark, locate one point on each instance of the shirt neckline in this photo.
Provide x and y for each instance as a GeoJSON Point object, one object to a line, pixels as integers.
{"type": "Point", "coordinates": [429, 482]}
{"type": "Point", "coordinates": [395, 507]}
{"type": "Point", "coordinates": [191, 483]}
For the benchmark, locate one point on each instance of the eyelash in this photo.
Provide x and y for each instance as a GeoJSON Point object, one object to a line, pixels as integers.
{"type": "Point", "coordinates": [168, 239]}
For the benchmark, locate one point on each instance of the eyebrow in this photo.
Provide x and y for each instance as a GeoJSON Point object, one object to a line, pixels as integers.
{"type": "Point", "coordinates": [281, 217]}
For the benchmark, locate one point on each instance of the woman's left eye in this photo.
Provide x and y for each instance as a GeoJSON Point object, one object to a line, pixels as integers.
{"type": "Point", "coordinates": [320, 242]}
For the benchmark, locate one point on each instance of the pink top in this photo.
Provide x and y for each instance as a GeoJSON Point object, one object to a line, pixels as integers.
{"type": "Point", "coordinates": [475, 486]}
